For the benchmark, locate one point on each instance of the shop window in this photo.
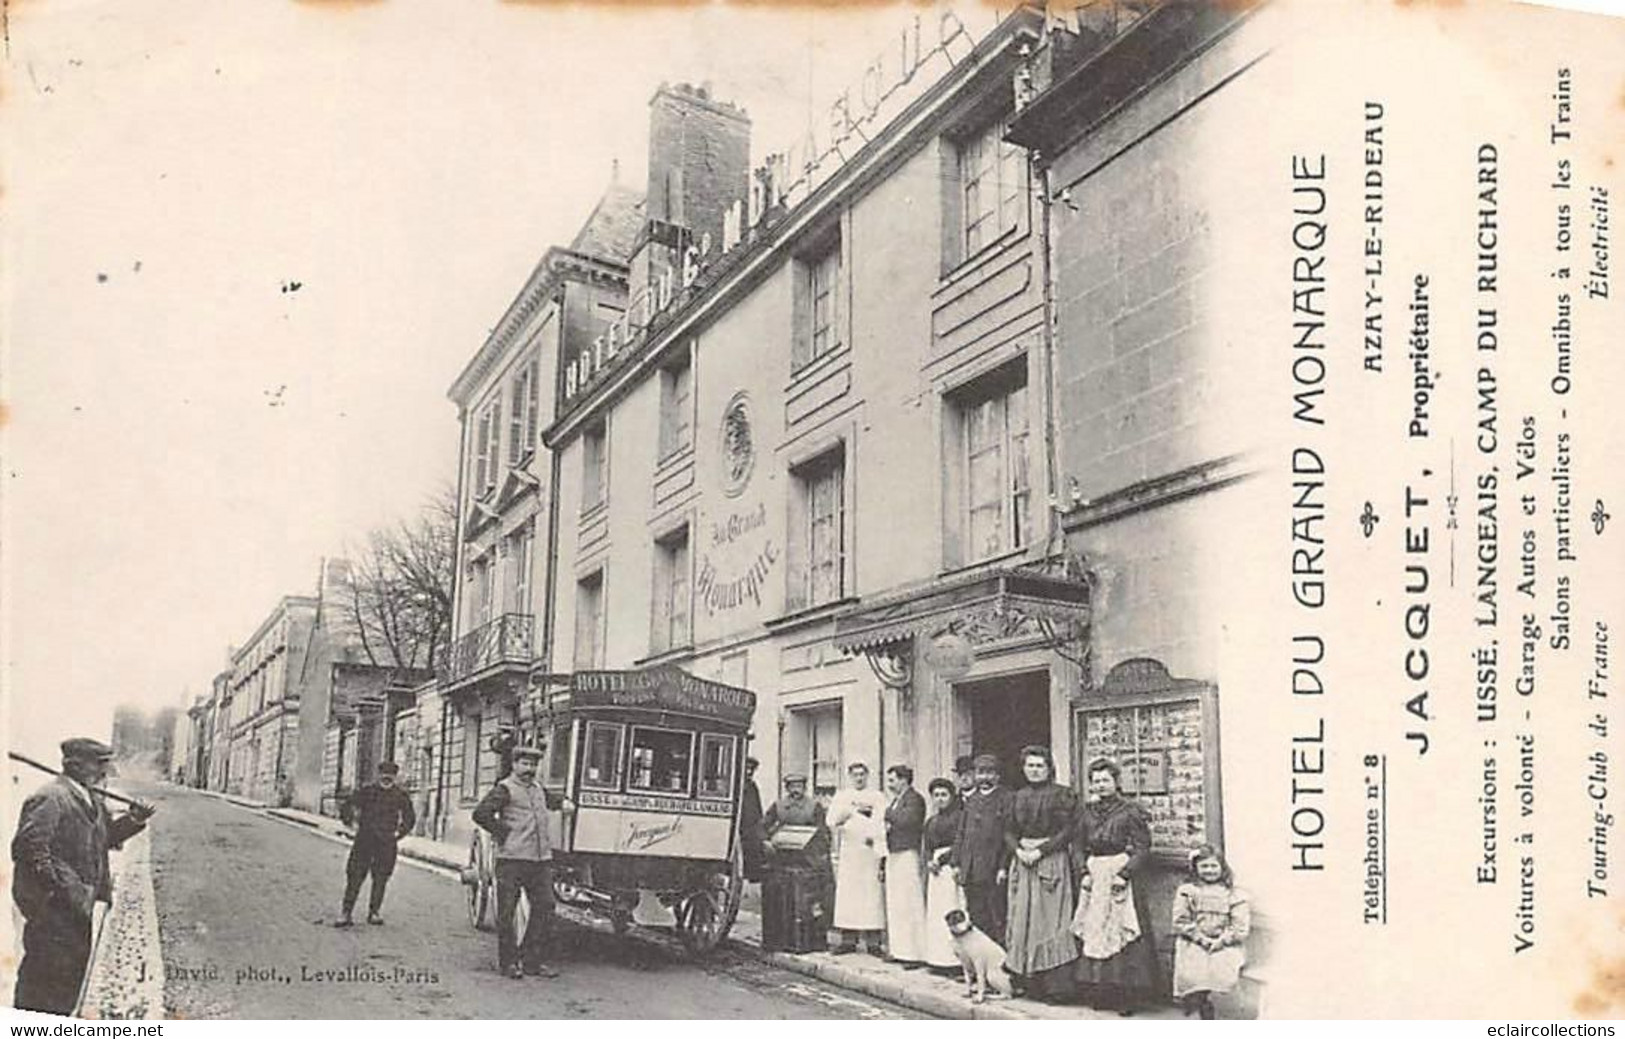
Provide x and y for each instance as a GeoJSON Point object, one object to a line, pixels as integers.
{"type": "Point", "coordinates": [661, 761]}
{"type": "Point", "coordinates": [716, 767]}
{"type": "Point", "coordinates": [603, 754]}
{"type": "Point", "coordinates": [824, 744]}
{"type": "Point", "coordinates": [988, 480]}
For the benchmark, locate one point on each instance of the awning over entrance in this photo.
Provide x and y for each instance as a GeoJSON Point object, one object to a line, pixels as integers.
{"type": "Point", "coordinates": [987, 606]}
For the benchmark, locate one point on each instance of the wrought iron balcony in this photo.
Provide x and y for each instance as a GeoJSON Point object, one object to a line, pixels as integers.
{"type": "Point", "coordinates": [506, 640]}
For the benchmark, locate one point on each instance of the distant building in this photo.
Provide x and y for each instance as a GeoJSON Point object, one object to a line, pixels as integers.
{"type": "Point", "coordinates": [265, 699]}
{"type": "Point", "coordinates": [371, 718]}
{"type": "Point", "coordinates": [219, 734]}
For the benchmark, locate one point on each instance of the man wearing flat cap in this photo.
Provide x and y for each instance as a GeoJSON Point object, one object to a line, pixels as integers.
{"type": "Point", "coordinates": [60, 872]}
{"type": "Point", "coordinates": [515, 813]}
{"type": "Point", "coordinates": [382, 814]}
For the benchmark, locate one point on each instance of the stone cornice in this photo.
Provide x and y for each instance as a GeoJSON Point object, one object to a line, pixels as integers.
{"type": "Point", "coordinates": [737, 272]}
{"type": "Point", "coordinates": [556, 265]}
{"type": "Point", "coordinates": [1158, 491]}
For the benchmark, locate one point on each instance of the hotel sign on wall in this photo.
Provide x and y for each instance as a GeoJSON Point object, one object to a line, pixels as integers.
{"type": "Point", "coordinates": [921, 53]}
{"type": "Point", "coordinates": [737, 550]}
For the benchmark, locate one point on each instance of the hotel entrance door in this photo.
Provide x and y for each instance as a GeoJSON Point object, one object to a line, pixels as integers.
{"type": "Point", "coordinates": [1004, 715]}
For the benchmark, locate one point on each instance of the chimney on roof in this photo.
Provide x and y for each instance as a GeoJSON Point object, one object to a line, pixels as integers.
{"type": "Point", "coordinates": [699, 165]}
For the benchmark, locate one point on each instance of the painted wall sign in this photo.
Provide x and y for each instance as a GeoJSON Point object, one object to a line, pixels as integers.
{"type": "Point", "coordinates": [898, 74]}
{"type": "Point", "coordinates": [720, 591]}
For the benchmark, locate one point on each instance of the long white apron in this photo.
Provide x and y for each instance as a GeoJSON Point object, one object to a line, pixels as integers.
{"type": "Point", "coordinates": [905, 907]}
{"type": "Point", "coordinates": [859, 904]}
{"type": "Point", "coordinates": [942, 895]}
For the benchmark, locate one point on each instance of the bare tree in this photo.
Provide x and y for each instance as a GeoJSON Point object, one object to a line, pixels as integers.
{"type": "Point", "coordinates": [396, 603]}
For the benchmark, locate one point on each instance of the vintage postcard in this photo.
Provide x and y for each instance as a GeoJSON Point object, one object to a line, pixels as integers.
{"type": "Point", "coordinates": [739, 511]}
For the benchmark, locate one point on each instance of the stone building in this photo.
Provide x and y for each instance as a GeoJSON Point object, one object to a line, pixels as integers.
{"type": "Point", "coordinates": [810, 460]}
{"type": "Point", "coordinates": [265, 699]}
{"type": "Point", "coordinates": [1135, 116]}
{"type": "Point", "coordinates": [505, 398]}
{"type": "Point", "coordinates": [919, 430]}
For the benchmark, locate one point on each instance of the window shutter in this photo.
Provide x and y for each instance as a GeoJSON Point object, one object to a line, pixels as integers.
{"type": "Point", "coordinates": [532, 402]}
{"type": "Point", "coordinates": [496, 443]}
{"type": "Point", "coordinates": [796, 556]}
{"type": "Point", "coordinates": [482, 455]}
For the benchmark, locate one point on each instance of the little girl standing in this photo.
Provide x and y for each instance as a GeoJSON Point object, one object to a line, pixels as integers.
{"type": "Point", "coordinates": [1211, 921]}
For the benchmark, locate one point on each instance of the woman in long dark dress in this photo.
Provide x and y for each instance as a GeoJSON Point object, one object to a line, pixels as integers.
{"type": "Point", "coordinates": [942, 892]}
{"type": "Point", "coordinates": [1039, 942]}
{"type": "Point", "coordinates": [1115, 835]}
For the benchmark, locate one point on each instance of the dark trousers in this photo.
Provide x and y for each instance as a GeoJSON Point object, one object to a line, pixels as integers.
{"type": "Point", "coordinates": [987, 904]}
{"type": "Point", "coordinates": [368, 855]}
{"type": "Point", "coordinates": [535, 879]}
{"type": "Point", "coordinates": [56, 951]}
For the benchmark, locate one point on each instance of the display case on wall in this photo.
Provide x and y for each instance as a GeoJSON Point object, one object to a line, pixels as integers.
{"type": "Point", "coordinates": [1164, 734]}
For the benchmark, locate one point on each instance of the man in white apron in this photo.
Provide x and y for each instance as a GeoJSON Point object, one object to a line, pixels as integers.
{"type": "Point", "coordinates": [857, 817]}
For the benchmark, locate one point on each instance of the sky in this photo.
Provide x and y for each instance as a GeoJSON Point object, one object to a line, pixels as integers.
{"type": "Point", "coordinates": [247, 249]}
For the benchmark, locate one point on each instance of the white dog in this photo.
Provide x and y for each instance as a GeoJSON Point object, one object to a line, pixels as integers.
{"type": "Point", "coordinates": [980, 957]}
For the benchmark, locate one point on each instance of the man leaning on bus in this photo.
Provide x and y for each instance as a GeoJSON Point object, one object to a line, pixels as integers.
{"type": "Point", "coordinates": [515, 814]}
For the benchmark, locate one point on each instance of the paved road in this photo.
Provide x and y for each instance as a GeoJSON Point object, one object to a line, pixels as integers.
{"type": "Point", "coordinates": [246, 905]}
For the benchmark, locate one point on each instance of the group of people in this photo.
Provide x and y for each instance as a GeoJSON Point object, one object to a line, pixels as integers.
{"type": "Point", "coordinates": [1058, 882]}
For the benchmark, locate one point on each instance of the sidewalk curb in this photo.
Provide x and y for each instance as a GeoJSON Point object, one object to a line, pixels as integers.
{"type": "Point", "coordinates": [935, 1004]}
{"type": "Point", "coordinates": [892, 990]}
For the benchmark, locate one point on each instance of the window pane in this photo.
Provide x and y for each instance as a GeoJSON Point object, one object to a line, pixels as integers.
{"type": "Point", "coordinates": [660, 761]}
{"type": "Point", "coordinates": [603, 768]}
{"type": "Point", "coordinates": [716, 766]}
{"type": "Point", "coordinates": [679, 593]}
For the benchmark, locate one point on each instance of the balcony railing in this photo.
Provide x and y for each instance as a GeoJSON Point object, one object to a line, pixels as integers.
{"type": "Point", "coordinates": [506, 640]}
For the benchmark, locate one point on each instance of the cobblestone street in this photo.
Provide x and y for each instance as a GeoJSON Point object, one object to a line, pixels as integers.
{"type": "Point", "coordinates": [245, 906]}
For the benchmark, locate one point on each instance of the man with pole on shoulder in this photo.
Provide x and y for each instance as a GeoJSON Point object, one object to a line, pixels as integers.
{"type": "Point", "coordinates": [60, 872]}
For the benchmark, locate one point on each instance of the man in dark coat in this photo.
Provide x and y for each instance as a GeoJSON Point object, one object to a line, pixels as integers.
{"type": "Point", "coordinates": [751, 835]}
{"type": "Point", "coordinates": [60, 872]}
{"type": "Point", "coordinates": [382, 814]}
{"type": "Point", "coordinates": [980, 852]}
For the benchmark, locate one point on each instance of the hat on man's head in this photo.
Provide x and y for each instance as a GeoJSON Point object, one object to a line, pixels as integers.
{"type": "Point", "coordinates": [990, 760]}
{"type": "Point", "coordinates": [83, 748]}
{"type": "Point", "coordinates": [752, 763]}
{"type": "Point", "coordinates": [528, 752]}
{"type": "Point", "coordinates": [964, 763]}
{"type": "Point", "coordinates": [388, 768]}
{"type": "Point", "coordinates": [795, 777]}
